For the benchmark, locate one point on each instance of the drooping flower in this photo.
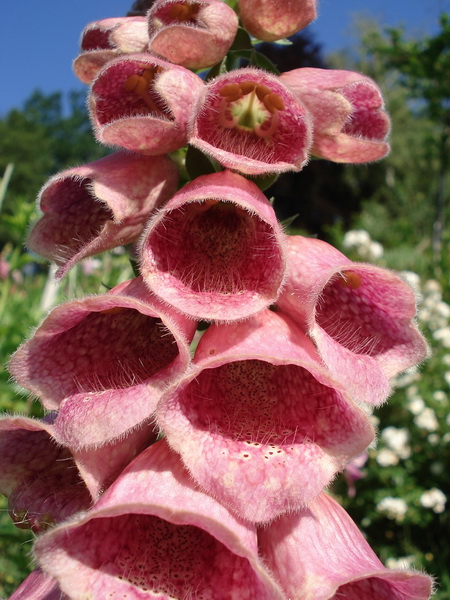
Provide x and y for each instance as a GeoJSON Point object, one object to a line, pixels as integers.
{"type": "Point", "coordinates": [192, 33]}
{"type": "Point", "coordinates": [102, 41]}
{"type": "Point", "coordinates": [38, 586]}
{"type": "Point", "coordinates": [39, 478]}
{"type": "Point", "coordinates": [104, 362]}
{"type": "Point", "coordinates": [271, 20]}
{"type": "Point", "coordinates": [250, 122]}
{"type": "Point", "coordinates": [99, 206]}
{"type": "Point", "coordinates": [215, 250]}
{"type": "Point", "coordinates": [350, 123]}
{"type": "Point", "coordinates": [154, 533]}
{"type": "Point", "coordinates": [352, 472]}
{"type": "Point", "coordinates": [44, 482]}
{"type": "Point", "coordinates": [258, 421]}
{"type": "Point", "coordinates": [319, 554]}
{"type": "Point", "coordinates": [360, 317]}
{"type": "Point", "coordinates": [143, 103]}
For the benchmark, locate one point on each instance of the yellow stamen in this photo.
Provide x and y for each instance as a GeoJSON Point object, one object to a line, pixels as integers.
{"type": "Point", "coordinates": [183, 12]}
{"type": "Point", "coordinates": [141, 84]}
{"type": "Point", "coordinates": [350, 280]}
{"type": "Point", "coordinates": [251, 107]}
{"type": "Point", "coordinates": [231, 92]}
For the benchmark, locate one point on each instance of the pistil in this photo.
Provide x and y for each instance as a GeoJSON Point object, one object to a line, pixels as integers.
{"type": "Point", "coordinates": [250, 107]}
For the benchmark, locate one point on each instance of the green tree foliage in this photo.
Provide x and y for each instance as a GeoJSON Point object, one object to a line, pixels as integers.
{"type": "Point", "coordinates": [404, 196]}
{"type": "Point", "coordinates": [40, 139]}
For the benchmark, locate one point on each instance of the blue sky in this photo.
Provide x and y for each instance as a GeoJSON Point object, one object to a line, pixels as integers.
{"type": "Point", "coordinates": [39, 39]}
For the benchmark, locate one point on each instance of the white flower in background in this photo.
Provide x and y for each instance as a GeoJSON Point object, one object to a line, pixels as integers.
{"type": "Point", "coordinates": [443, 309]}
{"type": "Point", "coordinates": [387, 458]}
{"type": "Point", "coordinates": [433, 439]}
{"type": "Point", "coordinates": [412, 392]}
{"type": "Point", "coordinates": [440, 396]}
{"type": "Point", "coordinates": [360, 241]}
{"type": "Point", "coordinates": [375, 251]}
{"type": "Point", "coordinates": [446, 360]}
{"type": "Point", "coordinates": [397, 440]}
{"type": "Point", "coordinates": [431, 286]}
{"type": "Point", "coordinates": [354, 238]}
{"type": "Point", "coordinates": [447, 377]}
{"type": "Point", "coordinates": [413, 279]}
{"type": "Point", "coordinates": [443, 335]}
{"type": "Point", "coordinates": [416, 405]}
{"type": "Point", "coordinates": [446, 437]}
{"type": "Point", "coordinates": [434, 499]}
{"type": "Point", "coordinates": [407, 378]}
{"type": "Point", "coordinates": [393, 508]}
{"type": "Point", "coordinates": [427, 420]}
{"type": "Point", "coordinates": [404, 562]}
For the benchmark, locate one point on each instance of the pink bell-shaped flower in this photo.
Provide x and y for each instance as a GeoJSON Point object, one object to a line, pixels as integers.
{"type": "Point", "coordinates": [45, 483]}
{"type": "Point", "coordinates": [194, 33]}
{"type": "Point", "coordinates": [319, 554]}
{"type": "Point", "coordinates": [104, 362]}
{"type": "Point", "coordinates": [154, 533]}
{"type": "Point", "coordinates": [271, 20]}
{"type": "Point", "coordinates": [104, 40]}
{"type": "Point", "coordinates": [215, 251]}
{"type": "Point", "coordinates": [258, 421]}
{"type": "Point", "coordinates": [99, 206]}
{"type": "Point", "coordinates": [361, 317]}
{"type": "Point", "coordinates": [350, 123]}
{"type": "Point", "coordinates": [249, 121]}
{"type": "Point", "coordinates": [142, 103]}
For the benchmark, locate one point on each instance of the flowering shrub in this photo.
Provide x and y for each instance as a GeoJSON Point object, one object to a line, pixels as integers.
{"type": "Point", "coordinates": [203, 477]}
{"type": "Point", "coordinates": [401, 498]}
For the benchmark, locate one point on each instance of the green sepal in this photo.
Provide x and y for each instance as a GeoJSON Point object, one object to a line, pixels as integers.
{"type": "Point", "coordinates": [198, 163]}
{"type": "Point", "coordinates": [263, 181]}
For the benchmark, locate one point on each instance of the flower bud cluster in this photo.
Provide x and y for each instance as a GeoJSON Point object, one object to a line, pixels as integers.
{"type": "Point", "coordinates": [204, 476]}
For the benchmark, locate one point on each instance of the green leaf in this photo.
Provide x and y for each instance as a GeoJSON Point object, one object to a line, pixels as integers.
{"type": "Point", "coordinates": [198, 163]}
{"type": "Point", "coordinates": [263, 181]}
{"type": "Point", "coordinates": [242, 41]}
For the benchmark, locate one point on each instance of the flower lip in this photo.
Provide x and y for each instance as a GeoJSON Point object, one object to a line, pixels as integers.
{"type": "Point", "coordinates": [130, 92]}
{"type": "Point", "coordinates": [96, 38]}
{"type": "Point", "coordinates": [178, 12]}
{"type": "Point", "coordinates": [215, 250]}
{"type": "Point", "coordinates": [124, 348]}
{"type": "Point", "coordinates": [143, 103]}
{"type": "Point", "coordinates": [249, 121]}
{"type": "Point", "coordinates": [154, 532]}
{"type": "Point", "coordinates": [258, 407]}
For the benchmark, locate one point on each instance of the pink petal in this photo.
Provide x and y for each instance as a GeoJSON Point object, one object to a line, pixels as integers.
{"type": "Point", "coordinates": [350, 124]}
{"type": "Point", "coordinates": [276, 138]}
{"type": "Point", "coordinates": [101, 41]}
{"type": "Point", "coordinates": [38, 586]}
{"type": "Point", "coordinates": [152, 118]}
{"type": "Point", "coordinates": [194, 34]}
{"type": "Point", "coordinates": [215, 250]}
{"type": "Point", "coordinates": [360, 317]}
{"type": "Point", "coordinates": [319, 554]}
{"type": "Point", "coordinates": [155, 533]}
{"type": "Point", "coordinates": [258, 421]}
{"type": "Point", "coordinates": [99, 206]}
{"type": "Point", "coordinates": [104, 361]}
{"type": "Point", "coordinates": [271, 20]}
